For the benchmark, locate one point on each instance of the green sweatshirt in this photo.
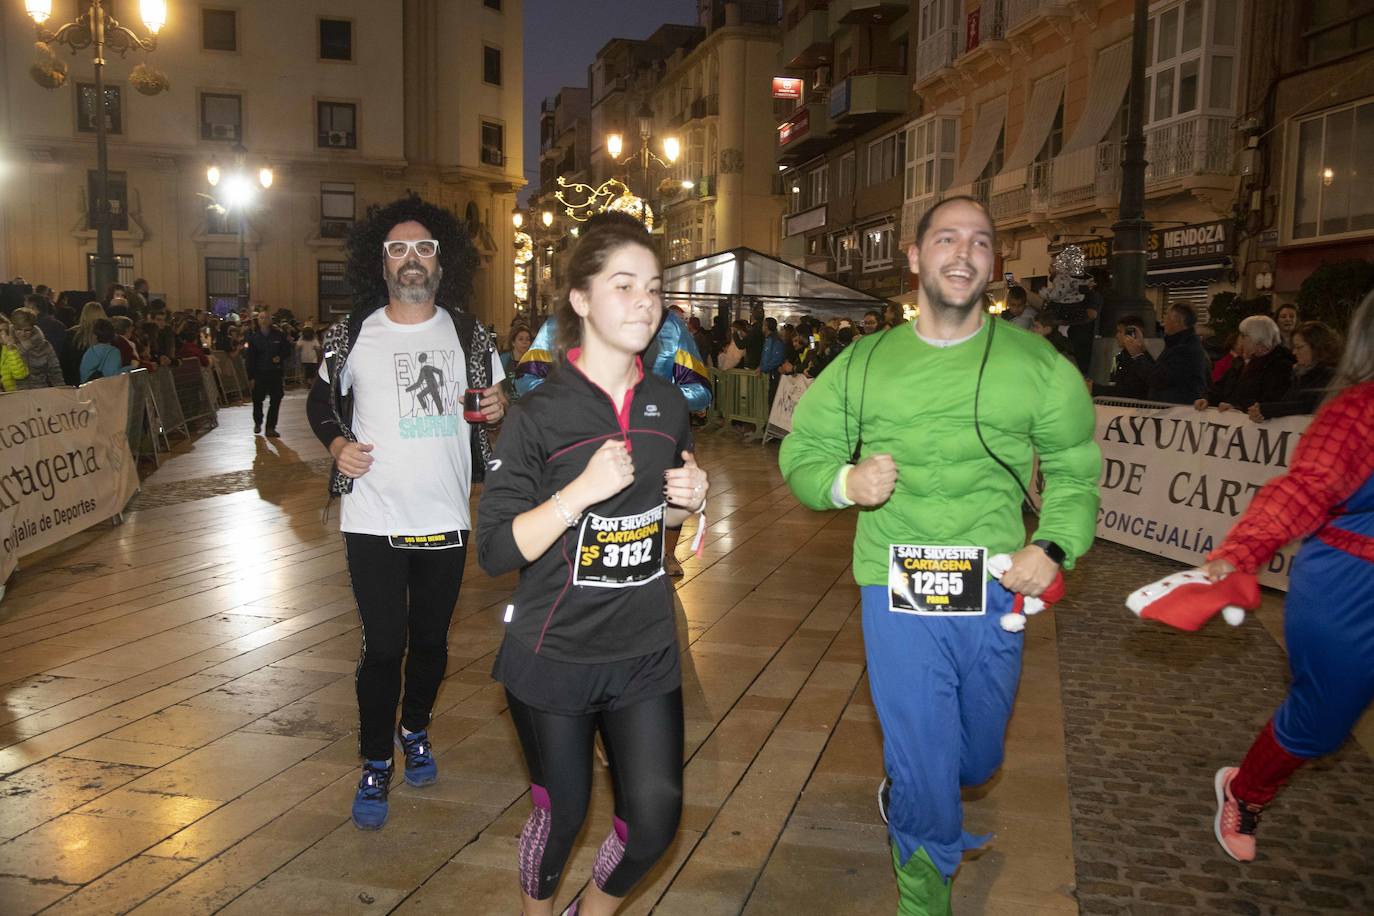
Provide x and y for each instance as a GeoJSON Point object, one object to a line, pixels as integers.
{"type": "Point", "coordinates": [917, 405]}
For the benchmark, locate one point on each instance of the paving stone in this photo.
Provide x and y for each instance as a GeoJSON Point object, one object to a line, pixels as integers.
{"type": "Point", "coordinates": [1149, 715]}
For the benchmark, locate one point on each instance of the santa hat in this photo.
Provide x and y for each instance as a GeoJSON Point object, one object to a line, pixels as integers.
{"type": "Point", "coordinates": [1189, 599]}
{"type": "Point", "coordinates": [1023, 606]}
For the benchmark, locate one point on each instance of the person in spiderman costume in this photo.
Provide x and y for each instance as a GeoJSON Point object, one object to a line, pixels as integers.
{"type": "Point", "coordinates": [1326, 497]}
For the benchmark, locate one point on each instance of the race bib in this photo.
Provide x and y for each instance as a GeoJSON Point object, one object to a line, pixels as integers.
{"type": "Point", "coordinates": [620, 552]}
{"type": "Point", "coordinates": [937, 581]}
{"type": "Point", "coordinates": [439, 541]}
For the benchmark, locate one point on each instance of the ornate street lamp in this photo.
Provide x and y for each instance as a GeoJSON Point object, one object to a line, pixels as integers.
{"type": "Point", "coordinates": [582, 201]}
{"type": "Point", "coordinates": [237, 191]}
{"type": "Point", "coordinates": [96, 28]}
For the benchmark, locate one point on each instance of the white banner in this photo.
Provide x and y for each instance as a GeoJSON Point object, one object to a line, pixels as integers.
{"type": "Point", "coordinates": [790, 390]}
{"type": "Point", "coordinates": [65, 463]}
{"type": "Point", "coordinates": [1175, 479]}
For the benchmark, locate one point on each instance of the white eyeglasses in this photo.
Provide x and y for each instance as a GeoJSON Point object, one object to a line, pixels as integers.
{"type": "Point", "coordinates": [425, 248]}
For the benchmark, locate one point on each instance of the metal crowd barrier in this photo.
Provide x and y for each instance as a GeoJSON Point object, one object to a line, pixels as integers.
{"type": "Point", "coordinates": [192, 394]}
{"type": "Point", "coordinates": [1132, 402]}
{"type": "Point", "coordinates": [144, 427]}
{"type": "Point", "coordinates": [226, 378]}
{"type": "Point", "coordinates": [741, 395]}
{"type": "Point", "coordinates": [207, 378]}
{"type": "Point", "coordinates": [163, 389]}
{"type": "Point", "coordinates": [241, 373]}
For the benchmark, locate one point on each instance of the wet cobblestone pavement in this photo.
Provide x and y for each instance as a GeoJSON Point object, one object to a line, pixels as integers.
{"type": "Point", "coordinates": [172, 494]}
{"type": "Point", "coordinates": [1149, 715]}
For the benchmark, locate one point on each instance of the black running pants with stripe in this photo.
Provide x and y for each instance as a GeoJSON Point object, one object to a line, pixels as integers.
{"type": "Point", "coordinates": [644, 744]}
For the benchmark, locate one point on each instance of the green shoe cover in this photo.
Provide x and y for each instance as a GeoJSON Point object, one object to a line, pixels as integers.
{"type": "Point", "coordinates": [921, 889]}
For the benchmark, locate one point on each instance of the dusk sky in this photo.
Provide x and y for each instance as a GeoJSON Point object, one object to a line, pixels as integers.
{"type": "Point", "coordinates": [563, 36]}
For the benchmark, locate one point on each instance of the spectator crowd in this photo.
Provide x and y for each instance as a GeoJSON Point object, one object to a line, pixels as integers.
{"type": "Point", "coordinates": [50, 339]}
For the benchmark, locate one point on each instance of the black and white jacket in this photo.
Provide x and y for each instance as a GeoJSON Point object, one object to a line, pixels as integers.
{"type": "Point", "coordinates": [331, 411]}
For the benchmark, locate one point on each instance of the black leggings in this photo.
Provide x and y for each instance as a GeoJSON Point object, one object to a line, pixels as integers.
{"type": "Point", "coordinates": [404, 596]}
{"type": "Point", "coordinates": [644, 745]}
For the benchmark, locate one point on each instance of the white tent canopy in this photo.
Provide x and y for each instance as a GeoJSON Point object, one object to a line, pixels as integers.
{"type": "Point", "coordinates": [742, 274]}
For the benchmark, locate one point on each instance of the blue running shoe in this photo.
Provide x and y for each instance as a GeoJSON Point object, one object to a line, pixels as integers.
{"type": "Point", "coordinates": [369, 805]}
{"type": "Point", "coordinates": [421, 769]}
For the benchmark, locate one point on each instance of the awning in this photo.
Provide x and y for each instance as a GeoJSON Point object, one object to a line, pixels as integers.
{"type": "Point", "coordinates": [985, 133]}
{"type": "Point", "coordinates": [1109, 81]}
{"type": "Point", "coordinates": [1044, 102]}
{"type": "Point", "coordinates": [743, 274]}
{"type": "Point", "coordinates": [1189, 275]}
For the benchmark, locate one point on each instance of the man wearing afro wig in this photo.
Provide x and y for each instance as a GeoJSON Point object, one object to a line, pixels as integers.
{"type": "Point", "coordinates": [403, 401]}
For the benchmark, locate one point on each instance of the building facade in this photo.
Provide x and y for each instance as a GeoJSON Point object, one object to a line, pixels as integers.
{"type": "Point", "coordinates": [715, 99]}
{"type": "Point", "coordinates": [575, 126]}
{"type": "Point", "coordinates": [841, 138]}
{"type": "Point", "coordinates": [1022, 105]}
{"type": "Point", "coordinates": [350, 102]}
{"type": "Point", "coordinates": [1028, 98]}
{"type": "Point", "coordinates": [1310, 197]}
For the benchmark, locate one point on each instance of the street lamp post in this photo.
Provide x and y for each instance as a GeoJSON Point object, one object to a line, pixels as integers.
{"type": "Point", "coordinates": [582, 201]}
{"type": "Point", "coordinates": [671, 149]}
{"type": "Point", "coordinates": [1131, 229]}
{"type": "Point", "coordinates": [237, 194]}
{"type": "Point", "coordinates": [97, 28]}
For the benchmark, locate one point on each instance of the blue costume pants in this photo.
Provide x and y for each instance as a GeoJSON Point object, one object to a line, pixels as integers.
{"type": "Point", "coordinates": [1329, 628]}
{"type": "Point", "coordinates": [943, 688]}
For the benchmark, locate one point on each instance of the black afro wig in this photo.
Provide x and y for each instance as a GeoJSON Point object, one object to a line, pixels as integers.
{"type": "Point", "coordinates": [457, 256]}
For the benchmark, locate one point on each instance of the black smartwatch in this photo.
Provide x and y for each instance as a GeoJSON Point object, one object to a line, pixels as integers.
{"type": "Point", "coordinates": [1052, 550]}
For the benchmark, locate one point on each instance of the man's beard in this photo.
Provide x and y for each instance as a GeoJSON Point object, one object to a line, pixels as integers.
{"type": "Point", "coordinates": [930, 285]}
{"type": "Point", "coordinates": [414, 293]}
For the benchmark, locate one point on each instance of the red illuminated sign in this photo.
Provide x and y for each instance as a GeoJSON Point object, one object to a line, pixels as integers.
{"type": "Point", "coordinates": [797, 127]}
{"type": "Point", "coordinates": [787, 87]}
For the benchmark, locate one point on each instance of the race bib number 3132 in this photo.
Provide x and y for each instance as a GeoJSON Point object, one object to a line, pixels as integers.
{"type": "Point", "coordinates": [937, 581]}
{"type": "Point", "coordinates": [622, 551]}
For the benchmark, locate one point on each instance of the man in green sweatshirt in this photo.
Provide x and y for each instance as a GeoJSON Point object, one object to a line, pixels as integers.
{"type": "Point", "coordinates": [931, 429]}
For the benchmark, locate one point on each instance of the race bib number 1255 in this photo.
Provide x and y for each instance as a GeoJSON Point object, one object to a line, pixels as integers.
{"type": "Point", "coordinates": [620, 552]}
{"type": "Point", "coordinates": [937, 581]}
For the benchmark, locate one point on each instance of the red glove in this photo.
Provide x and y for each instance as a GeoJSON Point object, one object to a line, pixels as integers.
{"type": "Point", "coordinates": [1187, 600]}
{"type": "Point", "coordinates": [1023, 606]}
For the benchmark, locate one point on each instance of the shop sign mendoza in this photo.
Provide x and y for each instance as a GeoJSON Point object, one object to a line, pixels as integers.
{"type": "Point", "coordinates": [65, 463]}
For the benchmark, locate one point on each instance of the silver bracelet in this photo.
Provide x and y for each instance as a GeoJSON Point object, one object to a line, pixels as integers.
{"type": "Point", "coordinates": [568, 518]}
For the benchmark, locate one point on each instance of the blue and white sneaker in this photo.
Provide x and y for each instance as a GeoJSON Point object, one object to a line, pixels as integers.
{"type": "Point", "coordinates": [369, 805]}
{"type": "Point", "coordinates": [421, 770]}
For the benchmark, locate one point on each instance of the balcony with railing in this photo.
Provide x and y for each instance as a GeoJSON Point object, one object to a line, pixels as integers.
{"type": "Point", "coordinates": [1026, 13]}
{"type": "Point", "coordinates": [807, 44]}
{"type": "Point", "coordinates": [937, 53]}
{"type": "Point", "coordinates": [912, 211]}
{"type": "Point", "coordinates": [1201, 145]}
{"type": "Point", "coordinates": [992, 25]}
{"type": "Point", "coordinates": [868, 96]}
{"type": "Point", "coordinates": [1017, 195]}
{"type": "Point", "coordinates": [807, 132]}
{"type": "Point", "coordinates": [704, 107]}
{"type": "Point", "coordinates": [865, 12]}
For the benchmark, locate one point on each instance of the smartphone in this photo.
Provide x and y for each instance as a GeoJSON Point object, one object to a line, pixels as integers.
{"type": "Point", "coordinates": [1132, 332]}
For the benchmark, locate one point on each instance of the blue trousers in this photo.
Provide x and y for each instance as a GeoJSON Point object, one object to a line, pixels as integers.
{"type": "Point", "coordinates": [1329, 627]}
{"type": "Point", "coordinates": [943, 688]}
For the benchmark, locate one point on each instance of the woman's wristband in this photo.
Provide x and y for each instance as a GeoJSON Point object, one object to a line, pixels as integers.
{"type": "Point", "coordinates": [569, 519]}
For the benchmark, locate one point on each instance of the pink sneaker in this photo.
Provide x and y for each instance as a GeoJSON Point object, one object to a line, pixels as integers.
{"type": "Point", "coordinates": [1236, 821]}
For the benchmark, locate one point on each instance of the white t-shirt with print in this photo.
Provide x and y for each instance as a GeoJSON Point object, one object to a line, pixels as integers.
{"type": "Point", "coordinates": [407, 382]}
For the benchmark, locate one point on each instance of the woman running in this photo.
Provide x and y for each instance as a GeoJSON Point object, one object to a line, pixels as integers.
{"type": "Point", "coordinates": [588, 473]}
{"type": "Point", "coordinates": [1327, 498]}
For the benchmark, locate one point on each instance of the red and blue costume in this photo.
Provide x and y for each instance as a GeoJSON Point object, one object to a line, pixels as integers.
{"type": "Point", "coordinates": [1327, 497]}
